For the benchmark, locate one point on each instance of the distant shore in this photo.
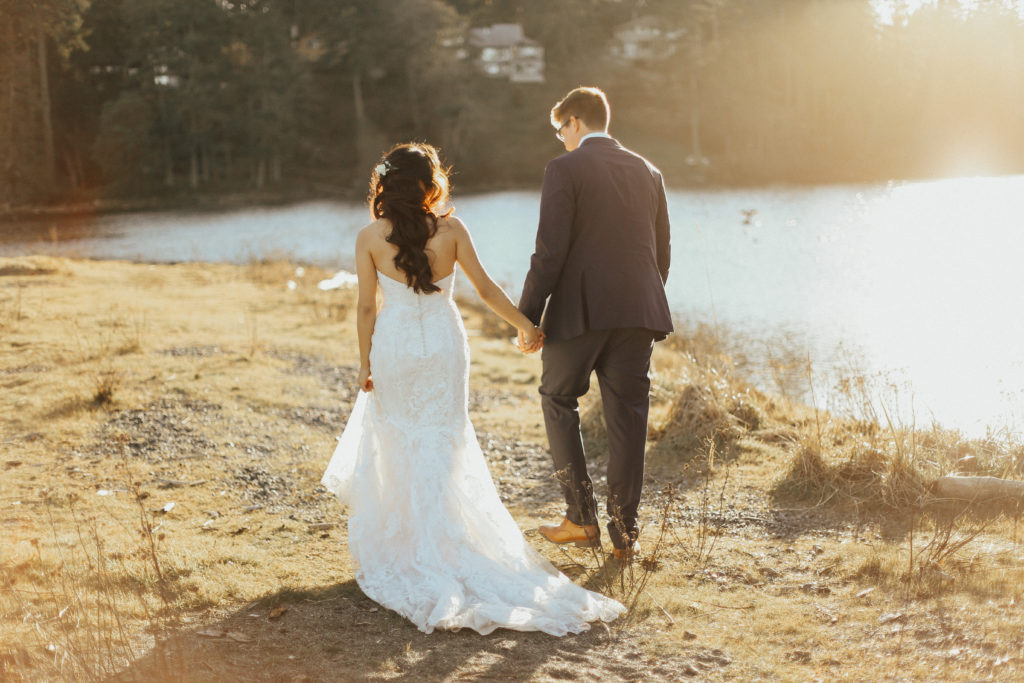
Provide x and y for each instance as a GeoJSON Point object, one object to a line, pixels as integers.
{"type": "Point", "coordinates": [201, 202]}
{"type": "Point", "coordinates": [216, 201]}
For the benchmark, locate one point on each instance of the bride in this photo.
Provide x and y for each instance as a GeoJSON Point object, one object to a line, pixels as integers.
{"type": "Point", "coordinates": [428, 534]}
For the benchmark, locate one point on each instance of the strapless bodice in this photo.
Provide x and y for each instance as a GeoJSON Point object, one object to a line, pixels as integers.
{"type": "Point", "coordinates": [418, 339]}
{"type": "Point", "coordinates": [399, 294]}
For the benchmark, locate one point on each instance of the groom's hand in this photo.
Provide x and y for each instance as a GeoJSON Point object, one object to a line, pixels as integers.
{"type": "Point", "coordinates": [531, 341]}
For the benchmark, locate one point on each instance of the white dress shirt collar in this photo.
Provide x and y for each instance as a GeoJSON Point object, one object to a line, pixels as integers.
{"type": "Point", "coordinates": [598, 134]}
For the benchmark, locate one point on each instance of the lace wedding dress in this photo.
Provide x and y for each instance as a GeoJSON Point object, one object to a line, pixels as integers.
{"type": "Point", "coordinates": [427, 531]}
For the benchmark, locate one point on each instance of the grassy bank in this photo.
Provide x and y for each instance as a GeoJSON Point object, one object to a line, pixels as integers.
{"type": "Point", "coordinates": [162, 434]}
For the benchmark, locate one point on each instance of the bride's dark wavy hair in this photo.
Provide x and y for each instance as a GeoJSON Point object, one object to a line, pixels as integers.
{"type": "Point", "coordinates": [409, 187]}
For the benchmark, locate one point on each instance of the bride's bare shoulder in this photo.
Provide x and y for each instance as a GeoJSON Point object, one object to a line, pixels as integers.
{"type": "Point", "coordinates": [451, 224]}
{"type": "Point", "coordinates": [376, 231]}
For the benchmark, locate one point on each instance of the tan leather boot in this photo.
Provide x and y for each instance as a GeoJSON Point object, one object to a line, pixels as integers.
{"type": "Point", "coordinates": [586, 536]}
{"type": "Point", "coordinates": [626, 553]}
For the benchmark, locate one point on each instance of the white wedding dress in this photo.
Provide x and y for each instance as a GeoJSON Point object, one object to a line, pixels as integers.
{"type": "Point", "coordinates": [427, 531]}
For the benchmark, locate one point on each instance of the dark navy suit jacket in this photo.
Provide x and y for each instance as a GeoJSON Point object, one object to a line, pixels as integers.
{"type": "Point", "coordinates": [602, 253]}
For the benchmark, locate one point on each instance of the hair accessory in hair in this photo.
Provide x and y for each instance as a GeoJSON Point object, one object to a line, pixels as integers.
{"type": "Point", "coordinates": [383, 168]}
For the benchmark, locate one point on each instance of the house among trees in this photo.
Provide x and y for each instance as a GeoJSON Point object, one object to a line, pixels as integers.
{"type": "Point", "coordinates": [503, 51]}
{"type": "Point", "coordinates": [644, 39]}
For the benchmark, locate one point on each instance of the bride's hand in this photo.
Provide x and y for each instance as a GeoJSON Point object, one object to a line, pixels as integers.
{"type": "Point", "coordinates": [365, 380]}
{"type": "Point", "coordinates": [531, 340]}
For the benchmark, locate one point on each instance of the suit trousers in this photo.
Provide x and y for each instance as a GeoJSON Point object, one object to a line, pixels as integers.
{"type": "Point", "coordinates": [622, 360]}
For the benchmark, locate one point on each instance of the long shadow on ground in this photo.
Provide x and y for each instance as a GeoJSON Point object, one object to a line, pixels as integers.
{"type": "Point", "coordinates": [335, 633]}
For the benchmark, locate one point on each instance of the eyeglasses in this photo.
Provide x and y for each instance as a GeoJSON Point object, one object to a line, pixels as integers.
{"type": "Point", "coordinates": [558, 133]}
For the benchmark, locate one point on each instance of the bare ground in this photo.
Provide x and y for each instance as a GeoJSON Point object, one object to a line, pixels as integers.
{"type": "Point", "coordinates": [127, 388]}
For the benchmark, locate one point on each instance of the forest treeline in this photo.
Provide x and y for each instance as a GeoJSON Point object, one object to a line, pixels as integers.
{"type": "Point", "coordinates": [143, 98]}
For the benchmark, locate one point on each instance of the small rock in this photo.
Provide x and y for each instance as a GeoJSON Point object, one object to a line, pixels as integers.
{"type": "Point", "coordinates": [891, 617]}
{"type": "Point", "coordinates": [171, 483]}
{"type": "Point", "coordinates": [210, 633]}
{"type": "Point", "coordinates": [689, 635]}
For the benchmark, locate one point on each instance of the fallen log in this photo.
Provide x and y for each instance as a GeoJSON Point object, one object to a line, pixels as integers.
{"type": "Point", "coordinates": [977, 488]}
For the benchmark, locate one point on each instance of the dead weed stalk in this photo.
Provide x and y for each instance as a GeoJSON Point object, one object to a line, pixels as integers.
{"type": "Point", "coordinates": [952, 531]}
{"type": "Point", "coordinates": [626, 579]}
{"type": "Point", "coordinates": [75, 613]}
{"type": "Point", "coordinates": [106, 384]}
{"type": "Point", "coordinates": [710, 518]}
{"type": "Point", "coordinates": [13, 310]}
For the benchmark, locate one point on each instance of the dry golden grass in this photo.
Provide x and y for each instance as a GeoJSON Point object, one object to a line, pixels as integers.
{"type": "Point", "coordinates": [794, 544]}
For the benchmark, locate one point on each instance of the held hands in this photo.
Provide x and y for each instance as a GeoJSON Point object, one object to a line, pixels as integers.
{"type": "Point", "coordinates": [365, 380]}
{"type": "Point", "coordinates": [530, 340]}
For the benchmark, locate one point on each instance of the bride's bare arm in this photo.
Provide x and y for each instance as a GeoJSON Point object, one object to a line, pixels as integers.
{"type": "Point", "coordinates": [366, 309]}
{"type": "Point", "coordinates": [492, 294]}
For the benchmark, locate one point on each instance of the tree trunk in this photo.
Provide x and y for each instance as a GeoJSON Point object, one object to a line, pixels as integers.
{"type": "Point", "coordinates": [11, 99]}
{"type": "Point", "coordinates": [275, 168]}
{"type": "Point", "coordinates": [414, 105]}
{"type": "Point", "coordinates": [49, 156]}
{"type": "Point", "coordinates": [357, 100]}
{"type": "Point", "coordinates": [193, 167]}
{"type": "Point", "coordinates": [261, 174]}
{"type": "Point", "coordinates": [166, 138]}
{"type": "Point", "coordinates": [453, 135]}
{"type": "Point", "coordinates": [204, 159]}
{"type": "Point", "coordinates": [72, 169]}
{"type": "Point", "coordinates": [169, 167]}
{"type": "Point", "coordinates": [367, 141]}
{"type": "Point", "coordinates": [694, 114]}
{"type": "Point", "coordinates": [228, 170]}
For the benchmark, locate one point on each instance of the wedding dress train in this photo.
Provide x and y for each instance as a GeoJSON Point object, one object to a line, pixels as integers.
{"type": "Point", "coordinates": [426, 529]}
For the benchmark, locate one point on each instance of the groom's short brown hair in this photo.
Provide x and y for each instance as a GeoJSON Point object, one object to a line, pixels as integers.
{"type": "Point", "coordinates": [589, 105]}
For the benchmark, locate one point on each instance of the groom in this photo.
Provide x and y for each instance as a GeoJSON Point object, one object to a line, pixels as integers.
{"type": "Point", "coordinates": [600, 265]}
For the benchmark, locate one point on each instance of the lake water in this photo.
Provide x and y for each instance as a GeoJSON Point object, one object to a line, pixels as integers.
{"type": "Point", "coordinates": [915, 286]}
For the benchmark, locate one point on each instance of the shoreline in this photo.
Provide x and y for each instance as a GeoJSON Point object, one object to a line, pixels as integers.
{"type": "Point", "coordinates": [780, 369]}
{"type": "Point", "coordinates": [226, 201]}
{"type": "Point", "coordinates": [199, 202]}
